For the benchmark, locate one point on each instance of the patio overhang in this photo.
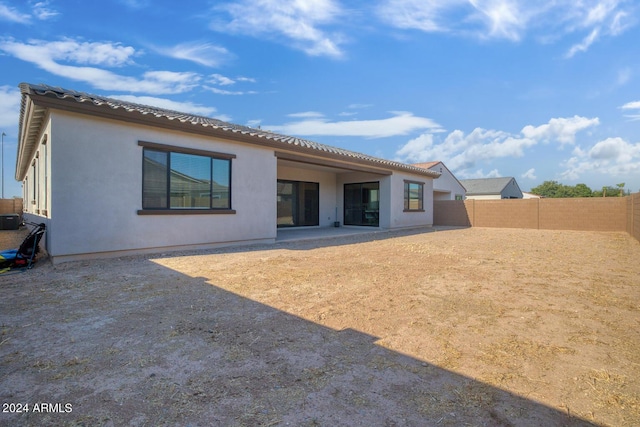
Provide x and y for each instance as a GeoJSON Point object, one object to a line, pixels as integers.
{"type": "Point", "coordinates": [334, 165]}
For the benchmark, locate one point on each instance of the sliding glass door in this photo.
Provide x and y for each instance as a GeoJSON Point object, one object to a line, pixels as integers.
{"type": "Point", "coordinates": [362, 204]}
{"type": "Point", "coordinates": [298, 203]}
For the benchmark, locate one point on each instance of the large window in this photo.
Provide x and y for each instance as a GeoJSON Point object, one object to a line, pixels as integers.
{"type": "Point", "coordinates": [181, 180]}
{"type": "Point", "coordinates": [298, 203]}
{"type": "Point", "coordinates": [413, 196]}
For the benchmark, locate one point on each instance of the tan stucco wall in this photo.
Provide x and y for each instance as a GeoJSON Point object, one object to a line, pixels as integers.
{"type": "Point", "coordinates": [327, 188]}
{"type": "Point", "coordinates": [96, 188]}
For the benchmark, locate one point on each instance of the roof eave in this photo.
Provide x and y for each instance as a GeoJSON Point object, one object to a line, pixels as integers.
{"type": "Point", "coordinates": [31, 120]}
{"type": "Point", "coordinates": [52, 99]}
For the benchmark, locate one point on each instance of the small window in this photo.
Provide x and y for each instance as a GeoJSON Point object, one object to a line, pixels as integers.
{"type": "Point", "coordinates": [175, 179]}
{"type": "Point", "coordinates": [413, 196]}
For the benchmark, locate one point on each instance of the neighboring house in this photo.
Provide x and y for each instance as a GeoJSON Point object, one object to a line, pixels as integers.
{"type": "Point", "coordinates": [492, 188]}
{"type": "Point", "coordinates": [110, 177]}
{"type": "Point", "coordinates": [526, 195]}
{"type": "Point", "coordinates": [447, 187]}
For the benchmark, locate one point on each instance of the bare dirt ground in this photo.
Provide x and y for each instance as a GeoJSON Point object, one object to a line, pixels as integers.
{"type": "Point", "coordinates": [481, 327]}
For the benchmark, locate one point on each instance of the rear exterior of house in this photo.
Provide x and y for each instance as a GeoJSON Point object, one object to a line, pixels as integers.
{"type": "Point", "coordinates": [111, 178]}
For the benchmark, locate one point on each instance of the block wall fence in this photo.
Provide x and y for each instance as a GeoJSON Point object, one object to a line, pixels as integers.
{"type": "Point", "coordinates": [582, 214]}
{"type": "Point", "coordinates": [11, 206]}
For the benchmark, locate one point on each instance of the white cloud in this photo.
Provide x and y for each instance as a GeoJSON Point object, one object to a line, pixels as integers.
{"type": "Point", "coordinates": [513, 19]}
{"type": "Point", "coordinates": [68, 50]}
{"type": "Point", "coordinates": [401, 123]}
{"type": "Point", "coordinates": [40, 11]}
{"type": "Point", "coordinates": [530, 174]}
{"type": "Point", "coordinates": [298, 22]}
{"type": "Point", "coordinates": [503, 18]}
{"type": "Point", "coordinates": [9, 107]}
{"type": "Point", "coordinates": [221, 80]}
{"type": "Point", "coordinates": [10, 14]}
{"type": "Point", "coordinates": [612, 156]}
{"type": "Point", "coordinates": [49, 55]}
{"type": "Point", "coordinates": [419, 150]}
{"type": "Point", "coordinates": [562, 130]}
{"type": "Point", "coordinates": [635, 110]}
{"type": "Point", "coordinates": [307, 114]}
{"type": "Point", "coordinates": [206, 54]}
{"type": "Point", "coordinates": [219, 91]}
{"type": "Point", "coordinates": [462, 152]}
{"type": "Point", "coordinates": [416, 14]}
{"type": "Point", "coordinates": [494, 173]}
{"type": "Point", "coordinates": [585, 44]}
{"type": "Point", "coordinates": [634, 105]}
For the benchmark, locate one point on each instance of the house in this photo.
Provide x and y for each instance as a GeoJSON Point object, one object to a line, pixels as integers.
{"type": "Point", "coordinates": [447, 187]}
{"type": "Point", "coordinates": [111, 178]}
{"type": "Point", "coordinates": [492, 188]}
{"type": "Point", "coordinates": [526, 195]}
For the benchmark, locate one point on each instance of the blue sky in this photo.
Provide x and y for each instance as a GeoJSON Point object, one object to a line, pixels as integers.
{"type": "Point", "coordinates": [544, 90]}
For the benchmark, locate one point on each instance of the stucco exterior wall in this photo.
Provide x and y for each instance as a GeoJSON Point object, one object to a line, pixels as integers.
{"type": "Point", "coordinates": [89, 190]}
{"type": "Point", "coordinates": [446, 187]}
{"type": "Point", "coordinates": [327, 188]}
{"type": "Point", "coordinates": [399, 218]}
{"type": "Point", "coordinates": [97, 189]}
{"type": "Point", "coordinates": [392, 213]}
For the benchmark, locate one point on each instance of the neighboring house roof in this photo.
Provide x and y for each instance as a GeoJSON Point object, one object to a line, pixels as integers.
{"type": "Point", "coordinates": [427, 165]}
{"type": "Point", "coordinates": [432, 166]}
{"type": "Point", "coordinates": [486, 185]}
{"type": "Point", "coordinates": [36, 99]}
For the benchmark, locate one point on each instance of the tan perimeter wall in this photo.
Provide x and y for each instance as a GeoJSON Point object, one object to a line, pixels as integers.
{"type": "Point", "coordinates": [11, 206]}
{"type": "Point", "coordinates": [586, 214]}
{"type": "Point", "coordinates": [633, 215]}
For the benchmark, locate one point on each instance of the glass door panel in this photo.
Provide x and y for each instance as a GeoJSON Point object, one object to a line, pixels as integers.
{"type": "Point", "coordinates": [362, 204]}
{"type": "Point", "coordinates": [298, 203]}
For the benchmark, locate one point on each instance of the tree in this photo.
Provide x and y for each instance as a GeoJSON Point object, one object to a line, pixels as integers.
{"type": "Point", "coordinates": [582, 190]}
{"type": "Point", "coordinates": [554, 189]}
{"type": "Point", "coordinates": [548, 189]}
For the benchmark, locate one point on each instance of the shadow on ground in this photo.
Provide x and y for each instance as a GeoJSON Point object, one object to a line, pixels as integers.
{"type": "Point", "coordinates": [129, 342]}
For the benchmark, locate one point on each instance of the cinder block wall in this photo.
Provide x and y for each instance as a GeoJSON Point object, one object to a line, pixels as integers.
{"type": "Point", "coordinates": [11, 206]}
{"type": "Point", "coordinates": [451, 212]}
{"type": "Point", "coordinates": [586, 214]}
{"type": "Point", "coordinates": [520, 213]}
{"type": "Point", "coordinates": [633, 215]}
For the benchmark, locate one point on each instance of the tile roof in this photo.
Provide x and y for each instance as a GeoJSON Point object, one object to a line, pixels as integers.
{"type": "Point", "coordinates": [234, 131]}
{"type": "Point", "coordinates": [486, 185]}
{"type": "Point", "coordinates": [426, 165]}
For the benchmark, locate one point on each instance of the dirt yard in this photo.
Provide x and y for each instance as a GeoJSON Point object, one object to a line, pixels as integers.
{"type": "Point", "coordinates": [479, 327]}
